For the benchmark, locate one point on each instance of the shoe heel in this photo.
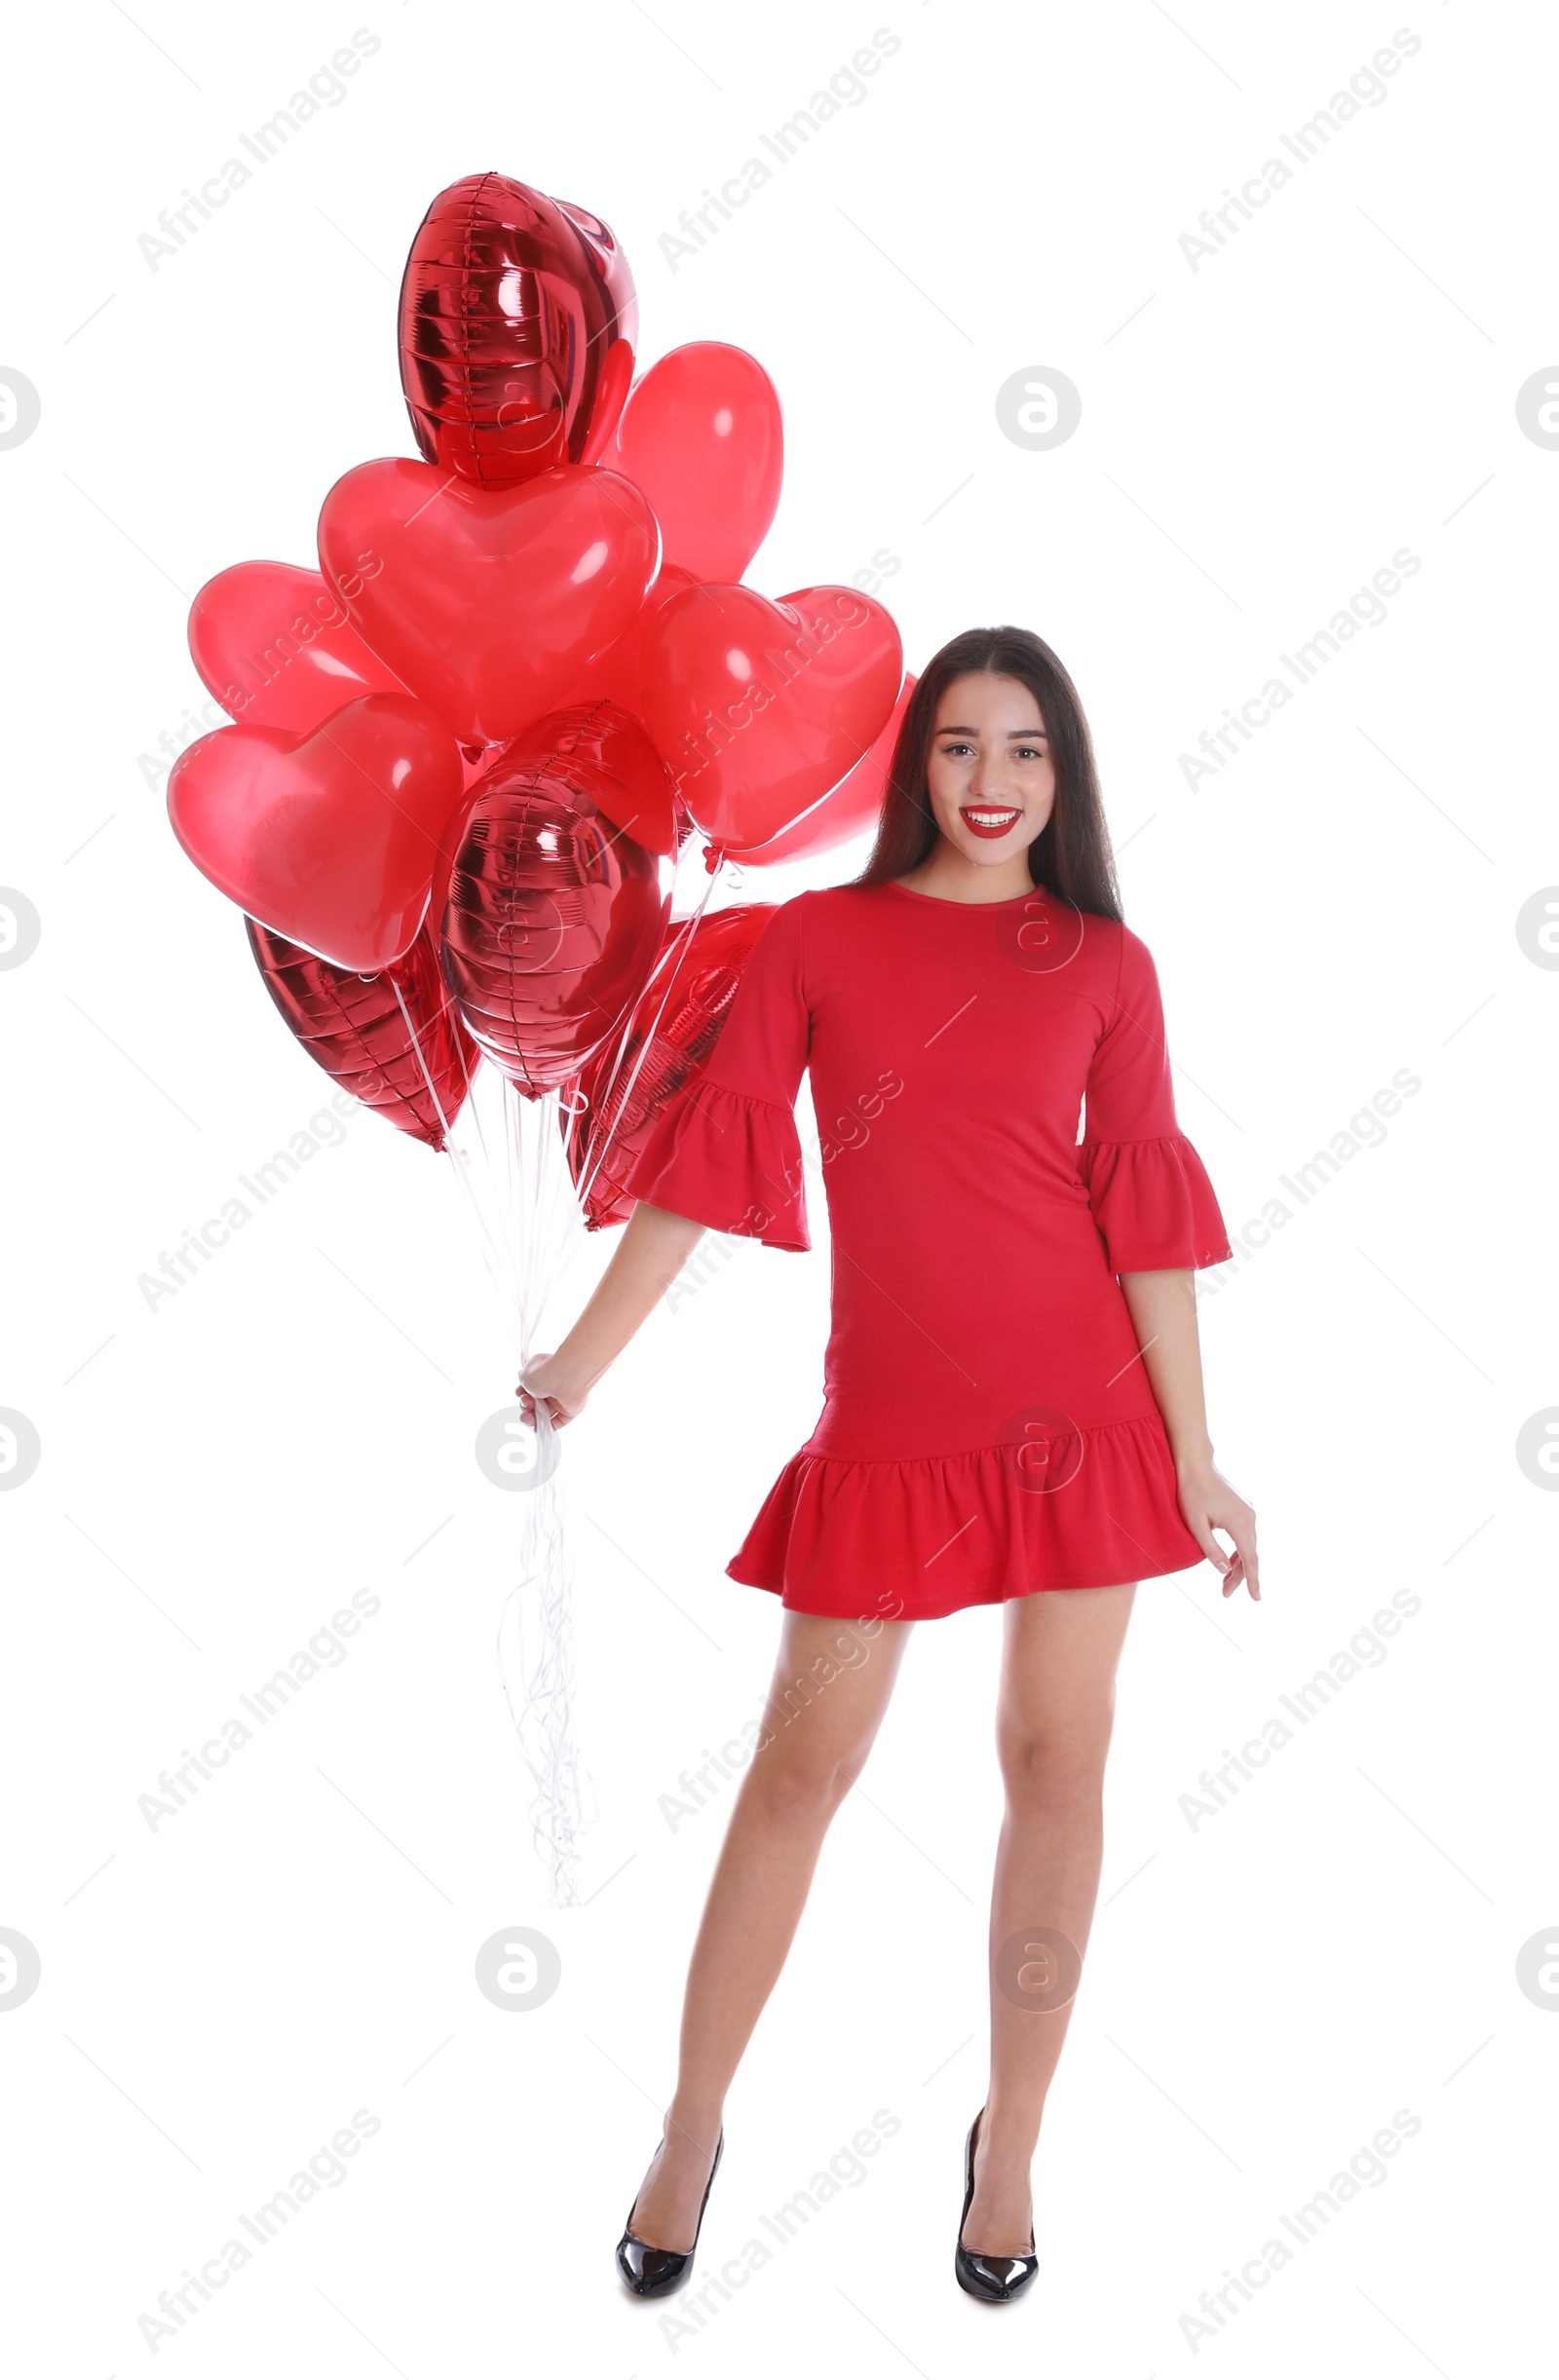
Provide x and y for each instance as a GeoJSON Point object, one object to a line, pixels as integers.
{"type": "Point", "coordinates": [655, 2272]}
{"type": "Point", "coordinates": [996, 2280]}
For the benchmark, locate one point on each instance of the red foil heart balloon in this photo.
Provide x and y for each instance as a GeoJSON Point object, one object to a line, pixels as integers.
{"type": "Point", "coordinates": [629, 781]}
{"type": "Point", "coordinates": [855, 804]}
{"type": "Point", "coordinates": [357, 1029]}
{"type": "Point", "coordinates": [692, 989]}
{"type": "Point", "coordinates": [518, 321]}
{"type": "Point", "coordinates": [702, 436]}
{"type": "Point", "coordinates": [487, 603]}
{"type": "Point", "coordinates": [554, 915]}
{"type": "Point", "coordinates": [277, 649]}
{"type": "Point", "coordinates": [328, 838]}
{"type": "Point", "coordinates": [759, 709]}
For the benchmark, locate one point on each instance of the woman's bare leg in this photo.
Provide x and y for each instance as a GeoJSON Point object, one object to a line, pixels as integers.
{"type": "Point", "coordinates": [1055, 1714]}
{"type": "Point", "coordinates": [832, 1686]}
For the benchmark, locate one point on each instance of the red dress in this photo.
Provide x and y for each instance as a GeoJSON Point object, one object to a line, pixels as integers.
{"type": "Point", "coordinates": [988, 1426]}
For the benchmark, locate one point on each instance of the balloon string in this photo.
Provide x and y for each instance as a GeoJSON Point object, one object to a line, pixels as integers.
{"type": "Point", "coordinates": [538, 1178]}
{"type": "Point", "coordinates": [450, 1150]}
{"type": "Point", "coordinates": [475, 1114]}
{"type": "Point", "coordinates": [545, 1670]}
{"type": "Point", "coordinates": [540, 1599]}
{"type": "Point", "coordinates": [542, 1722]}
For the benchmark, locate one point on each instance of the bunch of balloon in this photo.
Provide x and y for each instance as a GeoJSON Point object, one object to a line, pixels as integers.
{"type": "Point", "coordinates": [471, 751]}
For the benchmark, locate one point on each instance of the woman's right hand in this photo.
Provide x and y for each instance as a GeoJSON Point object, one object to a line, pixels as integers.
{"type": "Point", "coordinates": [652, 1251]}
{"type": "Point", "coordinates": [547, 1376]}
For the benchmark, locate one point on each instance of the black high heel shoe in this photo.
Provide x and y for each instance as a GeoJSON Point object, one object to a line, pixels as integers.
{"type": "Point", "coordinates": [655, 2272]}
{"type": "Point", "coordinates": [996, 2279]}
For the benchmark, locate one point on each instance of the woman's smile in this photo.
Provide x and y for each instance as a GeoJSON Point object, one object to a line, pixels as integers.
{"type": "Point", "coordinates": [983, 819]}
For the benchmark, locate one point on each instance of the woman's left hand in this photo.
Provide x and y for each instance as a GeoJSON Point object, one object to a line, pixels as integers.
{"type": "Point", "coordinates": [1208, 1502]}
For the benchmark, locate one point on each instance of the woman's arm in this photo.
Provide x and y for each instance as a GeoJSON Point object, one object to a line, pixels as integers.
{"type": "Point", "coordinates": [654, 1248]}
{"type": "Point", "coordinates": [1163, 1313]}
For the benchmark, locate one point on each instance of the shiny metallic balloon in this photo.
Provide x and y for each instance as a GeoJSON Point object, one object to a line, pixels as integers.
{"type": "Point", "coordinates": [518, 321]}
{"type": "Point", "coordinates": [553, 913]}
{"type": "Point", "coordinates": [681, 1011]}
{"type": "Point", "coordinates": [353, 1026]}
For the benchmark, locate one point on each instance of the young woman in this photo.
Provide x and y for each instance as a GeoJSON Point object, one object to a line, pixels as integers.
{"type": "Point", "coordinates": [1014, 1405]}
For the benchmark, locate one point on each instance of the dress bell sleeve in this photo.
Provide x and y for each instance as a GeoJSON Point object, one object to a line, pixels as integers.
{"type": "Point", "coordinates": [725, 1151]}
{"type": "Point", "coordinates": [1151, 1201]}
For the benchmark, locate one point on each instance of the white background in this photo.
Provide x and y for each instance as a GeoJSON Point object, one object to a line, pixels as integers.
{"type": "Point", "coordinates": [1265, 1990]}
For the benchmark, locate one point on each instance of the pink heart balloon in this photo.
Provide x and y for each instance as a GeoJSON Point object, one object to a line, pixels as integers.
{"type": "Point", "coordinates": [488, 602]}
{"type": "Point", "coordinates": [702, 436]}
{"type": "Point", "coordinates": [328, 839]}
{"type": "Point", "coordinates": [855, 802]}
{"type": "Point", "coordinates": [276, 648]}
{"type": "Point", "coordinates": [616, 675]}
{"type": "Point", "coordinates": [759, 709]}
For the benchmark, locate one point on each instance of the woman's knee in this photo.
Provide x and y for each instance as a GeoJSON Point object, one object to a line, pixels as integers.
{"type": "Point", "coordinates": [1060, 1768]}
{"type": "Point", "coordinates": [800, 1780]}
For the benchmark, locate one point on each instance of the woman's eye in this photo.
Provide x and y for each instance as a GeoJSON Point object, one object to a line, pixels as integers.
{"type": "Point", "coordinates": [1023, 751]}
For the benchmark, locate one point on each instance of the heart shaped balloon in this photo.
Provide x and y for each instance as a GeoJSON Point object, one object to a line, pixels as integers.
{"type": "Point", "coordinates": [702, 436]}
{"type": "Point", "coordinates": [487, 603]}
{"type": "Point", "coordinates": [395, 1041]}
{"type": "Point", "coordinates": [517, 326]}
{"type": "Point", "coordinates": [616, 675]}
{"type": "Point", "coordinates": [602, 748]}
{"type": "Point", "coordinates": [759, 709]}
{"type": "Point", "coordinates": [855, 802]}
{"type": "Point", "coordinates": [554, 915]}
{"type": "Point", "coordinates": [276, 648]}
{"type": "Point", "coordinates": [329, 839]}
{"type": "Point", "coordinates": [680, 1013]}
{"type": "Point", "coordinates": [628, 781]}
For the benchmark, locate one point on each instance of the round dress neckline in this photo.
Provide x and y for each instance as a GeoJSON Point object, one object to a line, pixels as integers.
{"type": "Point", "coordinates": [939, 900]}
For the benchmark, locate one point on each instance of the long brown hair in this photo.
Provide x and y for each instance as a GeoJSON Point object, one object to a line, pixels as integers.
{"type": "Point", "coordinates": [1071, 854]}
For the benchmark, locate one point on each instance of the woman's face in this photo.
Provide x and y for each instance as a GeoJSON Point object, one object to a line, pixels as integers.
{"type": "Point", "coordinates": [990, 773]}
